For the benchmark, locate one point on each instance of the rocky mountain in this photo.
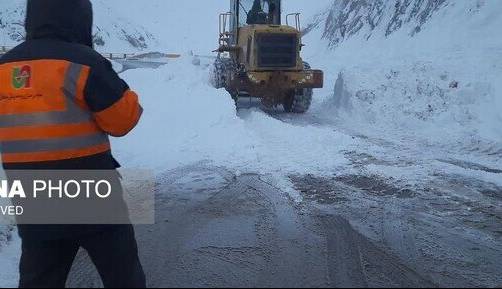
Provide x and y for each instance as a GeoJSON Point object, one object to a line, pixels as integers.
{"type": "Point", "coordinates": [346, 18]}
{"type": "Point", "coordinates": [111, 32]}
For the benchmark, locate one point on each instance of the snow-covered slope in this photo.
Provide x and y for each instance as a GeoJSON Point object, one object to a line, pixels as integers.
{"type": "Point", "coordinates": [427, 71]}
{"type": "Point", "coordinates": [180, 26]}
{"type": "Point", "coordinates": [346, 18]}
{"type": "Point", "coordinates": [342, 20]}
{"type": "Point", "coordinates": [112, 31]}
{"type": "Point", "coordinates": [128, 26]}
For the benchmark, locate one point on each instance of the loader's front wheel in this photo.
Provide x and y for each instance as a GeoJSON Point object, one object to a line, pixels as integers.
{"type": "Point", "coordinates": [298, 101]}
{"type": "Point", "coordinates": [222, 68]}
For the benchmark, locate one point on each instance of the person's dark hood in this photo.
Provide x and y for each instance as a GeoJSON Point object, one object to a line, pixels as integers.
{"type": "Point", "coordinates": [66, 20]}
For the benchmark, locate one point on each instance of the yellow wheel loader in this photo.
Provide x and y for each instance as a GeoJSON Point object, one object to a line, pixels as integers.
{"type": "Point", "coordinates": [260, 57]}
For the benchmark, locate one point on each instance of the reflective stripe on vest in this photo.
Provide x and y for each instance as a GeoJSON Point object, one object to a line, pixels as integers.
{"type": "Point", "coordinates": [61, 131]}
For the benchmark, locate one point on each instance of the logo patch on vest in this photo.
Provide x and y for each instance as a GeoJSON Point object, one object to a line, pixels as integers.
{"type": "Point", "coordinates": [21, 77]}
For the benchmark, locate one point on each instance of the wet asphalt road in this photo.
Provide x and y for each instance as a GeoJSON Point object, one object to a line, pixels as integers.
{"type": "Point", "coordinates": [215, 229]}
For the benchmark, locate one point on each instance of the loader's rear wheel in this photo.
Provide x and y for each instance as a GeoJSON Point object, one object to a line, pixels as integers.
{"type": "Point", "coordinates": [298, 101]}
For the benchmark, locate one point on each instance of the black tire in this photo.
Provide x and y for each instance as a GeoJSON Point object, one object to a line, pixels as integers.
{"type": "Point", "coordinates": [300, 100]}
{"type": "Point", "coordinates": [221, 69]}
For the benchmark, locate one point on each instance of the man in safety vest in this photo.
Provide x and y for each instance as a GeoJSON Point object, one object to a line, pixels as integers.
{"type": "Point", "coordinates": [59, 102]}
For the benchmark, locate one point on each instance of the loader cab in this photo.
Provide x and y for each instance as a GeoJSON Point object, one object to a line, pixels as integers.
{"type": "Point", "coordinates": [254, 12]}
{"type": "Point", "coordinates": [258, 12]}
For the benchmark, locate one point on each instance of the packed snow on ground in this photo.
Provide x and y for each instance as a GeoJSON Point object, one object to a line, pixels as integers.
{"type": "Point", "coordinates": [188, 121]}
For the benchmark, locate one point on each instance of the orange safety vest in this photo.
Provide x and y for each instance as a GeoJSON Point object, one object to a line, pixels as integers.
{"type": "Point", "coordinates": [43, 113]}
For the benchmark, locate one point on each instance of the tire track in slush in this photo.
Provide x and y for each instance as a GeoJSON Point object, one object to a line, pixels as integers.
{"type": "Point", "coordinates": [247, 233]}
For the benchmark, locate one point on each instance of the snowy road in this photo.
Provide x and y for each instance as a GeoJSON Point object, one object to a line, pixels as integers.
{"type": "Point", "coordinates": [436, 208]}
{"type": "Point", "coordinates": [216, 227]}
{"type": "Point", "coordinates": [221, 230]}
{"type": "Point", "coordinates": [394, 216]}
{"type": "Point", "coordinates": [277, 199]}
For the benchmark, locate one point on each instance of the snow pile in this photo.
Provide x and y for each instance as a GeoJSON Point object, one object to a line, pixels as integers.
{"type": "Point", "coordinates": [187, 121]}
{"type": "Point", "coordinates": [418, 99]}
{"type": "Point", "coordinates": [439, 84]}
